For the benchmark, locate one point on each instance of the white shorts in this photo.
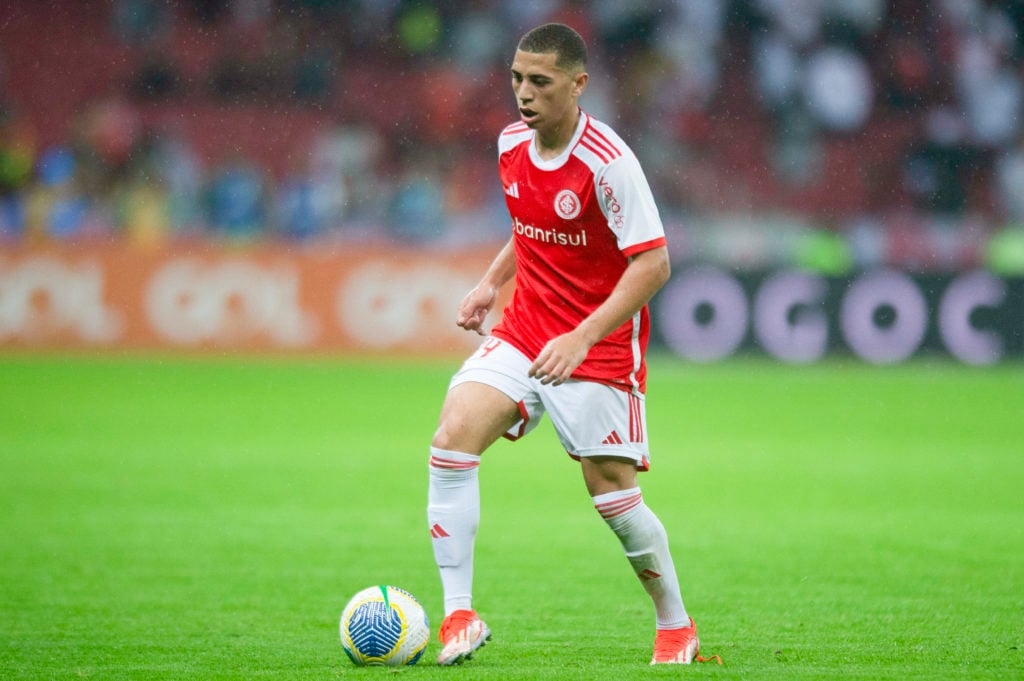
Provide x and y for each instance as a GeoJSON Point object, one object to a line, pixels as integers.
{"type": "Point", "coordinates": [591, 418]}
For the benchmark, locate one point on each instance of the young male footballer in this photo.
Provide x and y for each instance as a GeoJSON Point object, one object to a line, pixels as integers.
{"type": "Point", "coordinates": [587, 252]}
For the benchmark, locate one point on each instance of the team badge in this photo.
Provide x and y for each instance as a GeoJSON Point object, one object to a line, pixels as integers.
{"type": "Point", "coordinates": [567, 204]}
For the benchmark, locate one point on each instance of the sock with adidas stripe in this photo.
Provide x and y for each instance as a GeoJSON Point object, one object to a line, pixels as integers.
{"type": "Point", "coordinates": [453, 513]}
{"type": "Point", "coordinates": [645, 542]}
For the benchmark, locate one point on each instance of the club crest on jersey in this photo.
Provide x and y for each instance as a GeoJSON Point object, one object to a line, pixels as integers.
{"type": "Point", "coordinates": [567, 204]}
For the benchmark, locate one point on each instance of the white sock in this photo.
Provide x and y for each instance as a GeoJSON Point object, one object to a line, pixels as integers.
{"type": "Point", "coordinates": [644, 539]}
{"type": "Point", "coordinates": [453, 513]}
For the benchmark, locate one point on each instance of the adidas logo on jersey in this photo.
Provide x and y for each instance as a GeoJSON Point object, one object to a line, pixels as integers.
{"type": "Point", "coordinates": [513, 190]}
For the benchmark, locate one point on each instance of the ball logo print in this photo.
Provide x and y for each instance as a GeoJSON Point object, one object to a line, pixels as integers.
{"type": "Point", "coordinates": [384, 626]}
{"type": "Point", "coordinates": [567, 204]}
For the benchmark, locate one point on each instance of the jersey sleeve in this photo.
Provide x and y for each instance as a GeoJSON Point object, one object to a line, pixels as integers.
{"type": "Point", "coordinates": [628, 204]}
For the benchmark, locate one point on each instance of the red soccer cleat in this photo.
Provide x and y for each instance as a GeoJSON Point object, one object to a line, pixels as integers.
{"type": "Point", "coordinates": [461, 633]}
{"type": "Point", "coordinates": [679, 646]}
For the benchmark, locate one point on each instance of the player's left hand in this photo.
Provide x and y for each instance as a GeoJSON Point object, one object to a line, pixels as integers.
{"type": "Point", "coordinates": [559, 358]}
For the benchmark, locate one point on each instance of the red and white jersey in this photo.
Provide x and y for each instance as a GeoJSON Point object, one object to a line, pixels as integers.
{"type": "Point", "coordinates": [576, 219]}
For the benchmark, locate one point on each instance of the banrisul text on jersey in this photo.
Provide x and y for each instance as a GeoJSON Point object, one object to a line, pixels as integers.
{"type": "Point", "coordinates": [549, 236]}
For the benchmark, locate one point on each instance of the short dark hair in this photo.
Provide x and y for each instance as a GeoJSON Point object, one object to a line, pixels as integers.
{"type": "Point", "coordinates": [560, 39]}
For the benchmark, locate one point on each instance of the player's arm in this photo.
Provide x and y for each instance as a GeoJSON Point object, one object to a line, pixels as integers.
{"type": "Point", "coordinates": [481, 299]}
{"type": "Point", "coordinates": [646, 273]}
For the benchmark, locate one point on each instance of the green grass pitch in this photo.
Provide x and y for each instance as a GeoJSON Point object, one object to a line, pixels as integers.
{"type": "Point", "coordinates": [175, 518]}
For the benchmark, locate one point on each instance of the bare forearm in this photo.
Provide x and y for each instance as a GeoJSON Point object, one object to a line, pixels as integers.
{"type": "Point", "coordinates": [501, 269]}
{"type": "Point", "coordinates": [478, 302]}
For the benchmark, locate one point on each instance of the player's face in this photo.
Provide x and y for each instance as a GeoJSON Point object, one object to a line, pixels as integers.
{"type": "Point", "coordinates": [545, 93]}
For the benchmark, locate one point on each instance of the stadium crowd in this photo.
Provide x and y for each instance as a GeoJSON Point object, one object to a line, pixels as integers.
{"type": "Point", "coordinates": [378, 118]}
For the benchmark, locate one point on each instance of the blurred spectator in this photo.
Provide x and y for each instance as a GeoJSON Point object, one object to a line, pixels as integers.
{"type": "Point", "coordinates": [625, 28]}
{"type": "Point", "coordinates": [56, 208]}
{"type": "Point", "coordinates": [109, 137]}
{"type": "Point", "coordinates": [415, 212]}
{"type": "Point", "coordinates": [312, 75]}
{"type": "Point", "coordinates": [346, 158]}
{"type": "Point", "coordinates": [797, 150]}
{"type": "Point", "coordinates": [17, 156]}
{"type": "Point", "coordinates": [157, 76]}
{"type": "Point", "coordinates": [308, 203]}
{"type": "Point", "coordinates": [299, 212]}
{"type": "Point", "coordinates": [862, 16]}
{"type": "Point", "coordinates": [176, 167]}
{"type": "Point", "coordinates": [143, 211]}
{"type": "Point", "coordinates": [987, 85]}
{"type": "Point", "coordinates": [690, 38]}
{"type": "Point", "coordinates": [474, 205]}
{"type": "Point", "coordinates": [12, 217]}
{"type": "Point", "coordinates": [209, 11]}
{"type": "Point", "coordinates": [419, 27]}
{"type": "Point", "coordinates": [479, 39]}
{"type": "Point", "coordinates": [838, 89]}
{"type": "Point", "coordinates": [251, 13]}
{"type": "Point", "coordinates": [936, 167]}
{"type": "Point", "coordinates": [908, 73]}
{"type": "Point", "coordinates": [798, 21]}
{"type": "Point", "coordinates": [777, 71]}
{"type": "Point", "coordinates": [236, 199]}
{"type": "Point", "coordinates": [239, 73]}
{"type": "Point", "coordinates": [1009, 183]}
{"type": "Point", "coordinates": [138, 22]}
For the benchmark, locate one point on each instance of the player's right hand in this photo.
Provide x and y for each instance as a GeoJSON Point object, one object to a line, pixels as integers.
{"type": "Point", "coordinates": [474, 308]}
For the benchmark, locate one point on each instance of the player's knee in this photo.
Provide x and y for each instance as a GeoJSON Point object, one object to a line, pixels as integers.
{"type": "Point", "coordinates": [604, 474]}
{"type": "Point", "coordinates": [474, 415]}
{"type": "Point", "coordinates": [463, 433]}
{"type": "Point", "coordinates": [453, 435]}
{"type": "Point", "coordinates": [443, 438]}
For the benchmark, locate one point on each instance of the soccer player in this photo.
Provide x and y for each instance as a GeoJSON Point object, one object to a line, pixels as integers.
{"type": "Point", "coordinates": [587, 253]}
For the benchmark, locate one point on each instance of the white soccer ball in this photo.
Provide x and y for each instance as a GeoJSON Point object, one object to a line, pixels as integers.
{"type": "Point", "coordinates": [384, 625]}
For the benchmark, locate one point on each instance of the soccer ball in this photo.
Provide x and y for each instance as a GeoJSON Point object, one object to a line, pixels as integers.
{"type": "Point", "coordinates": [384, 625]}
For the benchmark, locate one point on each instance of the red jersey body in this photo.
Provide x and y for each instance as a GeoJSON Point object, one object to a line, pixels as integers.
{"type": "Point", "coordinates": [576, 220]}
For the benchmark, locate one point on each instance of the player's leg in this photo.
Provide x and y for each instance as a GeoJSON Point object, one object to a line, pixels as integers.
{"type": "Point", "coordinates": [604, 474]}
{"type": "Point", "coordinates": [474, 415]}
{"type": "Point", "coordinates": [612, 484]}
{"type": "Point", "coordinates": [605, 429]}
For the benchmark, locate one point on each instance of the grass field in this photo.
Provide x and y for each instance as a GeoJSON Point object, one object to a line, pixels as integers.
{"type": "Point", "coordinates": [208, 519]}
